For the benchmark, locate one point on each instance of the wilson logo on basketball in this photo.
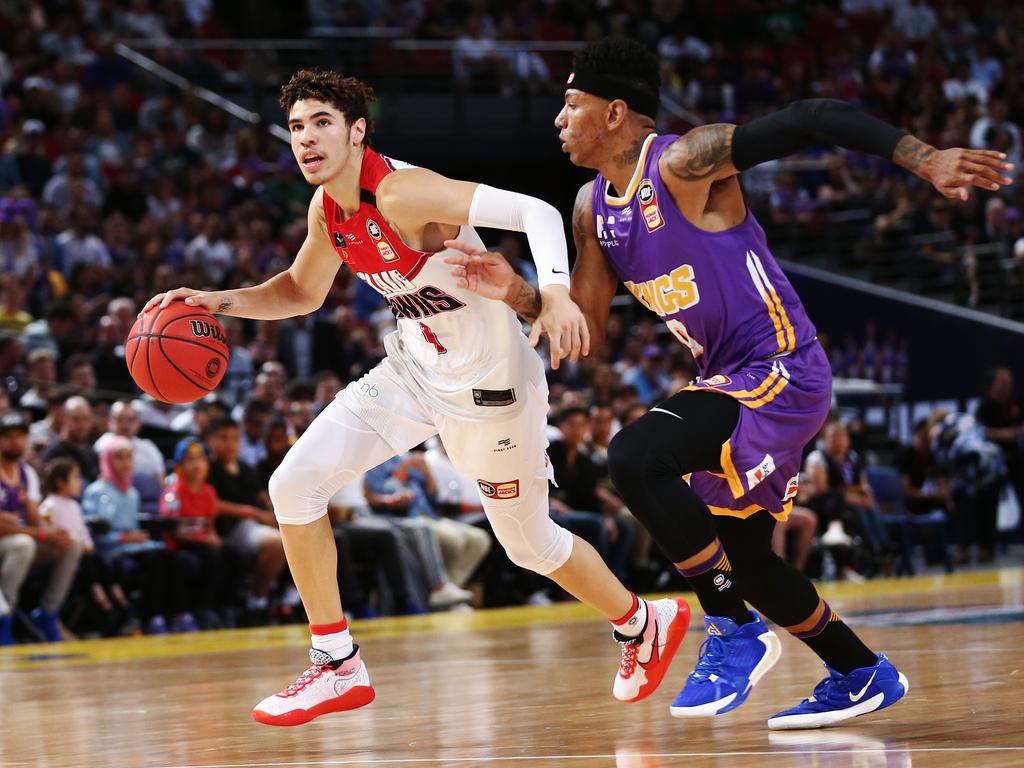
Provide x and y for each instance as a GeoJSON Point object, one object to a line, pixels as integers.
{"type": "Point", "coordinates": [205, 330]}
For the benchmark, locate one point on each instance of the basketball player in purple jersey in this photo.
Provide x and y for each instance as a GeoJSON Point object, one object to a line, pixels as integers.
{"type": "Point", "coordinates": [710, 470]}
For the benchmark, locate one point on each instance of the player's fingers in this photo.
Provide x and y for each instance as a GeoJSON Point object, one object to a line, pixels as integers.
{"type": "Point", "coordinates": [584, 337]}
{"type": "Point", "coordinates": [457, 258]}
{"type": "Point", "coordinates": [988, 154]}
{"type": "Point", "coordinates": [151, 303]}
{"type": "Point", "coordinates": [535, 332]}
{"type": "Point", "coordinates": [169, 297]}
{"type": "Point", "coordinates": [556, 348]}
{"type": "Point", "coordinates": [197, 300]}
{"type": "Point", "coordinates": [458, 245]}
{"type": "Point", "coordinates": [995, 161]}
{"type": "Point", "coordinates": [991, 175]}
{"type": "Point", "coordinates": [576, 343]}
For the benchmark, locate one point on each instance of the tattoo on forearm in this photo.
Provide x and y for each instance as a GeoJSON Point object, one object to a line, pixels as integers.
{"type": "Point", "coordinates": [526, 303]}
{"type": "Point", "coordinates": [702, 152]}
{"type": "Point", "coordinates": [630, 155]}
{"type": "Point", "coordinates": [225, 305]}
{"type": "Point", "coordinates": [911, 152]}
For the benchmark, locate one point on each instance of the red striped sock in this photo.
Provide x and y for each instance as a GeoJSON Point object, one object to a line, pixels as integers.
{"type": "Point", "coordinates": [632, 623]}
{"type": "Point", "coordinates": [332, 638]}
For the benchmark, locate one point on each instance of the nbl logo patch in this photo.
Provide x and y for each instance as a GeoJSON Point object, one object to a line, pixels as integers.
{"type": "Point", "coordinates": [717, 381]}
{"type": "Point", "coordinates": [339, 240]}
{"type": "Point", "coordinates": [383, 246]}
{"type": "Point", "coordinates": [648, 199]}
{"type": "Point", "coordinates": [506, 490]}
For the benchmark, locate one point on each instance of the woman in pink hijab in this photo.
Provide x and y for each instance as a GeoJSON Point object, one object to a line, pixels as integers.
{"type": "Point", "coordinates": [112, 504]}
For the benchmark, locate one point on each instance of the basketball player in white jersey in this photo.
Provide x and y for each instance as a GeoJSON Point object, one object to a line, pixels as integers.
{"type": "Point", "coordinates": [458, 366]}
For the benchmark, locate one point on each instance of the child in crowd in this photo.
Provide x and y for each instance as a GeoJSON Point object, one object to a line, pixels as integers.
{"type": "Point", "coordinates": [192, 501]}
{"type": "Point", "coordinates": [62, 485]}
{"type": "Point", "coordinates": [113, 502]}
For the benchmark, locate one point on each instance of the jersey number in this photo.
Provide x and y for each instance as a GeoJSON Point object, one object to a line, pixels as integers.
{"type": "Point", "coordinates": [432, 339]}
{"type": "Point", "coordinates": [679, 331]}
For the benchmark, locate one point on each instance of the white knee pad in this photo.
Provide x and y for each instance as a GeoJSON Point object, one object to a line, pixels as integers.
{"type": "Point", "coordinates": [531, 539]}
{"type": "Point", "coordinates": [300, 490]}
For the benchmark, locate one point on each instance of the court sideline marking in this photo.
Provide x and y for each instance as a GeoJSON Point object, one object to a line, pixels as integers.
{"type": "Point", "coordinates": [611, 756]}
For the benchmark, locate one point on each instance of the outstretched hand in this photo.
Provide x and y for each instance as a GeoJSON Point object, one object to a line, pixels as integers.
{"type": "Point", "coordinates": [954, 171]}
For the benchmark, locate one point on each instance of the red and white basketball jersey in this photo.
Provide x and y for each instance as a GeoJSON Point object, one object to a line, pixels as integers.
{"type": "Point", "coordinates": [465, 354]}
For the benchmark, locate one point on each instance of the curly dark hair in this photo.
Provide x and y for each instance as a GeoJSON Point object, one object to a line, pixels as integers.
{"type": "Point", "coordinates": [624, 59]}
{"type": "Point", "coordinates": [349, 95]}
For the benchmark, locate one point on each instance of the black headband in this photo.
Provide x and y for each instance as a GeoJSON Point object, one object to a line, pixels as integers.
{"type": "Point", "coordinates": [612, 87]}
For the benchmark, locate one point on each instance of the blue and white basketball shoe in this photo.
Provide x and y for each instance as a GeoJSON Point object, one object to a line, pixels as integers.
{"type": "Point", "coordinates": [732, 661]}
{"type": "Point", "coordinates": [841, 697]}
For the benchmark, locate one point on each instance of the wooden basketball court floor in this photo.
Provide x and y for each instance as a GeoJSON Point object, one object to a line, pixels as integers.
{"type": "Point", "coordinates": [524, 687]}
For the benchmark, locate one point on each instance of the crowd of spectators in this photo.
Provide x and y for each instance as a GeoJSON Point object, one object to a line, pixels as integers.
{"type": "Point", "coordinates": [120, 513]}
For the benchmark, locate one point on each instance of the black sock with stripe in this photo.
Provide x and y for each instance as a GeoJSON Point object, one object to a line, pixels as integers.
{"type": "Point", "coordinates": [710, 575]}
{"type": "Point", "coordinates": [831, 638]}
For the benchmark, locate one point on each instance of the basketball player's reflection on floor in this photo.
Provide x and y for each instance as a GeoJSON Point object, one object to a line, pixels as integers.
{"type": "Point", "coordinates": [841, 749]}
{"type": "Point", "coordinates": [637, 755]}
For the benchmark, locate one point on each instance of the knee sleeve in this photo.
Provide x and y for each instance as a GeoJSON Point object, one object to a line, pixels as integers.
{"type": "Point", "coordinates": [531, 539]}
{"type": "Point", "coordinates": [300, 492]}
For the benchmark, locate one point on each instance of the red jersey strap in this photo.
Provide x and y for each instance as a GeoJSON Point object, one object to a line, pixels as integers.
{"type": "Point", "coordinates": [375, 168]}
{"type": "Point", "coordinates": [364, 240]}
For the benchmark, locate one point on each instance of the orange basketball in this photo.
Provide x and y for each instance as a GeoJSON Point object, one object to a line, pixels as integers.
{"type": "Point", "coordinates": [177, 354]}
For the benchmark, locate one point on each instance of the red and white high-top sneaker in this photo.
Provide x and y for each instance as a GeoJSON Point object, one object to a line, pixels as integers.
{"type": "Point", "coordinates": [327, 686]}
{"type": "Point", "coordinates": [645, 659]}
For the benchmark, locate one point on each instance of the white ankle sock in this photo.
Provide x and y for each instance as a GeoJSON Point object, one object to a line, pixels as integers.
{"type": "Point", "coordinates": [333, 639]}
{"type": "Point", "coordinates": [632, 624]}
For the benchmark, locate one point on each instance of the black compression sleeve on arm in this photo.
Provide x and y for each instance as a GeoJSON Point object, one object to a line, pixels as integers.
{"type": "Point", "coordinates": [812, 121]}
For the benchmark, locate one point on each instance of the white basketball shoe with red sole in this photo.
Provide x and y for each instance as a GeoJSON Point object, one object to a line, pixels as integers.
{"type": "Point", "coordinates": [645, 659]}
{"type": "Point", "coordinates": [325, 687]}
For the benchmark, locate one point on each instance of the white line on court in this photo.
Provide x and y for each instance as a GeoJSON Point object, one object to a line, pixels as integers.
{"type": "Point", "coordinates": [520, 758]}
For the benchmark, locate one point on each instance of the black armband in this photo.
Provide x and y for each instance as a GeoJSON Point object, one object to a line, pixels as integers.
{"type": "Point", "coordinates": [808, 122]}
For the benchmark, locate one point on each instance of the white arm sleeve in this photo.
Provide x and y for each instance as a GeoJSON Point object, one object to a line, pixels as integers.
{"type": "Point", "coordinates": [501, 209]}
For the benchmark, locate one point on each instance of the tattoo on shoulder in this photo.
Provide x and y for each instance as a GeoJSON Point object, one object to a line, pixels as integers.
{"type": "Point", "coordinates": [911, 152]}
{"type": "Point", "coordinates": [702, 152]}
{"type": "Point", "coordinates": [578, 223]}
{"type": "Point", "coordinates": [579, 217]}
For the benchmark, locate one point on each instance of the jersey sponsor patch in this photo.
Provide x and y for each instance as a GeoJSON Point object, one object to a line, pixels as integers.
{"type": "Point", "coordinates": [493, 398]}
{"type": "Point", "coordinates": [383, 246]}
{"type": "Point", "coordinates": [506, 490]}
{"type": "Point", "coordinates": [756, 475]}
{"type": "Point", "coordinates": [718, 380]}
{"type": "Point", "coordinates": [792, 488]}
{"type": "Point", "coordinates": [648, 199]}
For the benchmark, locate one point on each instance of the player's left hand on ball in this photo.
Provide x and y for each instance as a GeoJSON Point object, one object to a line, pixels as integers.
{"type": "Point", "coordinates": [213, 301]}
{"type": "Point", "coordinates": [954, 171]}
{"type": "Point", "coordinates": [483, 272]}
{"type": "Point", "coordinates": [564, 324]}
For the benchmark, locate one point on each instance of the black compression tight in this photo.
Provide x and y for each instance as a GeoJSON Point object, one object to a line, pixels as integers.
{"type": "Point", "coordinates": [648, 459]}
